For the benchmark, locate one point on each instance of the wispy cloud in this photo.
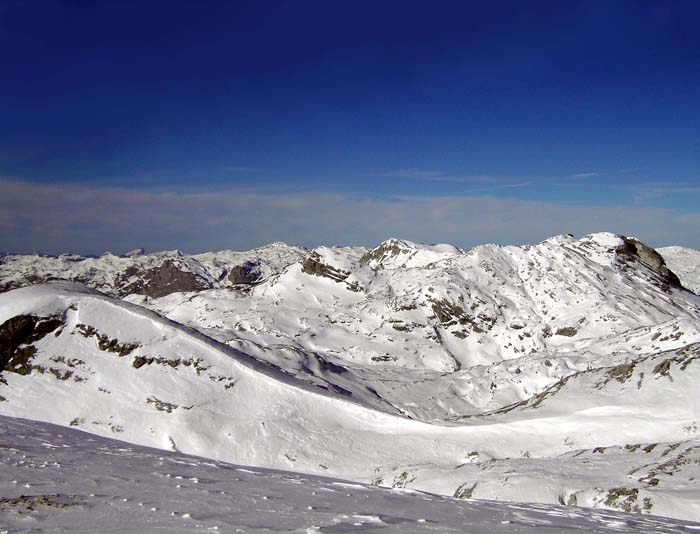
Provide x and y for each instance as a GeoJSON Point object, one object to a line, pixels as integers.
{"type": "Point", "coordinates": [630, 170]}
{"type": "Point", "coordinates": [644, 193]}
{"type": "Point", "coordinates": [668, 189]}
{"type": "Point", "coordinates": [405, 173]}
{"type": "Point", "coordinates": [434, 176]}
{"type": "Point", "coordinates": [514, 185]}
{"type": "Point", "coordinates": [585, 175]}
{"type": "Point", "coordinates": [240, 168]}
{"type": "Point", "coordinates": [487, 183]}
{"type": "Point", "coordinates": [88, 219]}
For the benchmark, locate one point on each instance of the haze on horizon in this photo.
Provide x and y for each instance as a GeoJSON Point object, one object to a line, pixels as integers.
{"type": "Point", "coordinates": [209, 126]}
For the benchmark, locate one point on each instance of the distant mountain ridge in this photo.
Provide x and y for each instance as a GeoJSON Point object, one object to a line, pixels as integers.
{"type": "Point", "coordinates": [154, 275]}
{"type": "Point", "coordinates": [162, 273]}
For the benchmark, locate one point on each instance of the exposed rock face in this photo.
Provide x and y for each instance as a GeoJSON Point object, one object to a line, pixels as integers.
{"type": "Point", "coordinates": [313, 264]}
{"type": "Point", "coordinates": [387, 249]}
{"type": "Point", "coordinates": [23, 330]}
{"type": "Point", "coordinates": [632, 250]}
{"type": "Point", "coordinates": [398, 253]}
{"type": "Point", "coordinates": [248, 273]}
{"type": "Point", "coordinates": [9, 286]}
{"type": "Point", "coordinates": [13, 333]}
{"type": "Point", "coordinates": [163, 280]}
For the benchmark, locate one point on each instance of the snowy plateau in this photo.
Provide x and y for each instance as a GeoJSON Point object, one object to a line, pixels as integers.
{"type": "Point", "coordinates": [404, 388]}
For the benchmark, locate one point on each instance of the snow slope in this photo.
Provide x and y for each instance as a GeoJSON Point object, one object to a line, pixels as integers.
{"type": "Point", "coordinates": [685, 262]}
{"type": "Point", "coordinates": [119, 370]}
{"type": "Point", "coordinates": [61, 480]}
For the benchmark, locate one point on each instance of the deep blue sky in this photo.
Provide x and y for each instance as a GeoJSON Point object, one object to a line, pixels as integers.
{"type": "Point", "coordinates": [563, 103]}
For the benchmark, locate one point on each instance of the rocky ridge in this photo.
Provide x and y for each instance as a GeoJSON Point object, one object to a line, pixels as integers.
{"type": "Point", "coordinates": [154, 275]}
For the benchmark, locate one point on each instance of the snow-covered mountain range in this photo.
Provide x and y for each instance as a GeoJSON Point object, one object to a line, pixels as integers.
{"type": "Point", "coordinates": [154, 275]}
{"type": "Point", "coordinates": [564, 372]}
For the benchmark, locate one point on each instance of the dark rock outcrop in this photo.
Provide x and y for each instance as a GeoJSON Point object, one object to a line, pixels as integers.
{"type": "Point", "coordinates": [160, 281]}
{"type": "Point", "coordinates": [384, 251]}
{"type": "Point", "coordinates": [313, 264]}
{"type": "Point", "coordinates": [106, 343]}
{"type": "Point", "coordinates": [16, 336]}
{"type": "Point", "coordinates": [633, 250]}
{"type": "Point", "coordinates": [9, 286]}
{"type": "Point", "coordinates": [248, 273]}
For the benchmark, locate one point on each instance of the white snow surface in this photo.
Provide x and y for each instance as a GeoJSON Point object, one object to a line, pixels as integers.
{"type": "Point", "coordinates": [552, 373]}
{"type": "Point", "coordinates": [62, 480]}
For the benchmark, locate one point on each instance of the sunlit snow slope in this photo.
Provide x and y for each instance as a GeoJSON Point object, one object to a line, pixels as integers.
{"type": "Point", "coordinates": [61, 480]}
{"type": "Point", "coordinates": [685, 262]}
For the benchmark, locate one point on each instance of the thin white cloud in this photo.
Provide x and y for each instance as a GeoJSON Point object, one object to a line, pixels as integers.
{"type": "Point", "coordinates": [434, 176]}
{"type": "Point", "coordinates": [240, 168]}
{"type": "Point", "coordinates": [669, 189]}
{"type": "Point", "coordinates": [645, 192]}
{"type": "Point", "coordinates": [515, 185]}
{"type": "Point", "coordinates": [405, 173]}
{"type": "Point", "coordinates": [60, 218]}
{"type": "Point", "coordinates": [584, 175]}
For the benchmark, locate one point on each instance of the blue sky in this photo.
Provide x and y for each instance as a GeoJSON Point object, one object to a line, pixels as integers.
{"type": "Point", "coordinates": [533, 107]}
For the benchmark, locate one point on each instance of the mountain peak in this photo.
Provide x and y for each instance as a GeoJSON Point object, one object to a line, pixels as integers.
{"type": "Point", "coordinates": [396, 253]}
{"type": "Point", "coordinates": [134, 253]}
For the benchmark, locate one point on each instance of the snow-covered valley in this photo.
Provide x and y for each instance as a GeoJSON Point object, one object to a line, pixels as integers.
{"type": "Point", "coordinates": [562, 373]}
